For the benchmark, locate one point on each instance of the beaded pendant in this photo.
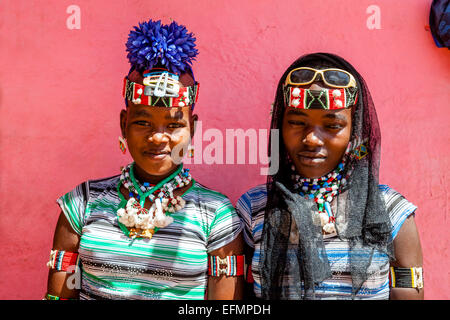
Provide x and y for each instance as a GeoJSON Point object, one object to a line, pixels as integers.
{"type": "Point", "coordinates": [136, 220]}
{"type": "Point", "coordinates": [322, 190]}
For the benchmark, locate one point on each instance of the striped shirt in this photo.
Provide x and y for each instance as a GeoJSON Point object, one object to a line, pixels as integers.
{"type": "Point", "coordinates": [251, 208]}
{"type": "Point", "coordinates": [173, 264]}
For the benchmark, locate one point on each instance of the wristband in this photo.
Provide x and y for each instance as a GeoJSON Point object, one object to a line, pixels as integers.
{"type": "Point", "coordinates": [52, 297]}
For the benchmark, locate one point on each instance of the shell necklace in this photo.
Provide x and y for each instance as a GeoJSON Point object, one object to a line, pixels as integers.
{"type": "Point", "coordinates": [137, 221]}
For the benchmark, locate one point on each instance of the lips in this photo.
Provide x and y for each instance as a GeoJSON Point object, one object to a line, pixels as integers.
{"type": "Point", "coordinates": [309, 158]}
{"type": "Point", "coordinates": [156, 154]}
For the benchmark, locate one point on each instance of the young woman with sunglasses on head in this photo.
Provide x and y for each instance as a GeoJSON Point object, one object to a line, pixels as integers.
{"type": "Point", "coordinates": [151, 232]}
{"type": "Point", "coordinates": [322, 227]}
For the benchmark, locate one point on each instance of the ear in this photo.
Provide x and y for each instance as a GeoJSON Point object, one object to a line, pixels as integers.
{"type": "Point", "coordinates": [123, 122]}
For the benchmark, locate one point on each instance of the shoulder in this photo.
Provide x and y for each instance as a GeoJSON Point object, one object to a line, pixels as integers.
{"type": "Point", "coordinates": [250, 208]}
{"type": "Point", "coordinates": [95, 185]}
{"type": "Point", "coordinates": [102, 184]}
{"type": "Point", "coordinates": [395, 201]}
{"type": "Point", "coordinates": [252, 201]}
{"type": "Point", "coordinates": [398, 207]}
{"type": "Point", "coordinates": [75, 202]}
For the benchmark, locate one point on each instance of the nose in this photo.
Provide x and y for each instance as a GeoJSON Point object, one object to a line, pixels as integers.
{"type": "Point", "coordinates": [313, 139]}
{"type": "Point", "coordinates": [158, 138]}
{"type": "Point", "coordinates": [317, 86]}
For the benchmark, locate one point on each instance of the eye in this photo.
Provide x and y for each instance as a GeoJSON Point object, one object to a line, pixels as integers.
{"type": "Point", "coordinates": [143, 123]}
{"type": "Point", "coordinates": [335, 126]}
{"type": "Point", "coordinates": [175, 125]}
{"type": "Point", "coordinates": [296, 122]}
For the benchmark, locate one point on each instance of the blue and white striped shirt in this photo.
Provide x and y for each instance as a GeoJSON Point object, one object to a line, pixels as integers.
{"type": "Point", "coordinates": [251, 208]}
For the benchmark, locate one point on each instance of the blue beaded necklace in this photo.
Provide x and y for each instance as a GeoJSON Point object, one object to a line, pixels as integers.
{"type": "Point", "coordinates": [322, 190]}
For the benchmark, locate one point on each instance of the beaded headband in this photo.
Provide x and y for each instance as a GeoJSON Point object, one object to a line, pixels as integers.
{"type": "Point", "coordinates": [165, 96]}
{"type": "Point", "coordinates": [327, 99]}
{"type": "Point", "coordinates": [161, 53]}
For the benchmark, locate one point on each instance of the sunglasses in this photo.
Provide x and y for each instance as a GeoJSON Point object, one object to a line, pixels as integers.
{"type": "Point", "coordinates": [332, 77]}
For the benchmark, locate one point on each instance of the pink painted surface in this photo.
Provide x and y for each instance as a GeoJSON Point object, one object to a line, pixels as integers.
{"type": "Point", "coordinates": [60, 98]}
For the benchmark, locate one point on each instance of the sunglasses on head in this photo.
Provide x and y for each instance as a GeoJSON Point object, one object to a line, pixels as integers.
{"type": "Point", "coordinates": [333, 77]}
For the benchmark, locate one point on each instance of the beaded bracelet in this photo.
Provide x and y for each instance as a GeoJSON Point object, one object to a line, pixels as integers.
{"type": "Point", "coordinates": [406, 277]}
{"type": "Point", "coordinates": [52, 297]}
{"type": "Point", "coordinates": [230, 266]}
{"type": "Point", "coordinates": [62, 260]}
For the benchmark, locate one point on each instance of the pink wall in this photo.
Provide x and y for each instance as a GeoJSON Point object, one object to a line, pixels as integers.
{"type": "Point", "coordinates": [60, 97]}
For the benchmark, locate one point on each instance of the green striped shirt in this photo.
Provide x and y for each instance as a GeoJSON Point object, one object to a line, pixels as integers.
{"type": "Point", "coordinates": [172, 264]}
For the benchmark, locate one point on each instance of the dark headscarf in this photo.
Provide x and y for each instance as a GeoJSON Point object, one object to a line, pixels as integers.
{"type": "Point", "coordinates": [288, 216]}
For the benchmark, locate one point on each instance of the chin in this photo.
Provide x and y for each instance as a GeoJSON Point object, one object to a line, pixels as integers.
{"type": "Point", "coordinates": [158, 168]}
{"type": "Point", "coordinates": [311, 175]}
{"type": "Point", "coordinates": [161, 170]}
{"type": "Point", "coordinates": [312, 172]}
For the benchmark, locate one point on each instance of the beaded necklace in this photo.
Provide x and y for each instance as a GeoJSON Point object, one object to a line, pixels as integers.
{"type": "Point", "coordinates": [137, 221]}
{"type": "Point", "coordinates": [323, 190]}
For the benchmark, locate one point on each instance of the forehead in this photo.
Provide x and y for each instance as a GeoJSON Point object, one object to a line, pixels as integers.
{"type": "Point", "coordinates": [173, 113]}
{"type": "Point", "coordinates": [344, 114]}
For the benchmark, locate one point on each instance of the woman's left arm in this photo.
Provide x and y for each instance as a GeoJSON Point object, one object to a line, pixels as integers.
{"type": "Point", "coordinates": [227, 287]}
{"type": "Point", "coordinates": [408, 254]}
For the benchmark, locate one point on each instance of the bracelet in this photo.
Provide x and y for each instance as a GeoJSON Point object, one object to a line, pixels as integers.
{"type": "Point", "coordinates": [406, 277]}
{"type": "Point", "coordinates": [52, 297]}
{"type": "Point", "coordinates": [230, 266]}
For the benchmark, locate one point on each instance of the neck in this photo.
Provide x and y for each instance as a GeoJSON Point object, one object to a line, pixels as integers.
{"type": "Point", "coordinates": [143, 176]}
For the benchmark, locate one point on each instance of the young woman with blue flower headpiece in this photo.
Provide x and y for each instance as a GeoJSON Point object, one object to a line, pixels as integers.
{"type": "Point", "coordinates": [151, 232]}
{"type": "Point", "coordinates": [322, 227]}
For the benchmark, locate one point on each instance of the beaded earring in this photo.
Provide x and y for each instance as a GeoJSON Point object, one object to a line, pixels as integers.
{"type": "Point", "coordinates": [190, 151]}
{"type": "Point", "coordinates": [123, 144]}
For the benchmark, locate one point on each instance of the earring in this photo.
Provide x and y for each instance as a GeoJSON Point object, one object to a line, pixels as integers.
{"type": "Point", "coordinates": [123, 144]}
{"type": "Point", "coordinates": [190, 153]}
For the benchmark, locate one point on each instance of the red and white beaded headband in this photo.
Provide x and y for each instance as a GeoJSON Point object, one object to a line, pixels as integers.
{"type": "Point", "coordinates": [327, 99]}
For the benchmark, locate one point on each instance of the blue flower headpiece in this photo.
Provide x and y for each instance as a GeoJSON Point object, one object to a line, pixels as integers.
{"type": "Point", "coordinates": [153, 43]}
